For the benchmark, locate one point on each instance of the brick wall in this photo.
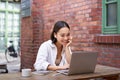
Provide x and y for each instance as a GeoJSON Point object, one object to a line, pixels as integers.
{"type": "Point", "coordinates": [84, 17]}
{"type": "Point", "coordinates": [81, 16]}
{"type": "Point", "coordinates": [31, 34]}
{"type": "Point", "coordinates": [26, 41]}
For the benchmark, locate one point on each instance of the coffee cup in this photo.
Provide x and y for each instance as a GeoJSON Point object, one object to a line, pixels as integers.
{"type": "Point", "coordinates": [26, 72]}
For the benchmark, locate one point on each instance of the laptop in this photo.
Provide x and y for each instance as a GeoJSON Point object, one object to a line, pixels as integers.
{"type": "Point", "coordinates": [81, 62]}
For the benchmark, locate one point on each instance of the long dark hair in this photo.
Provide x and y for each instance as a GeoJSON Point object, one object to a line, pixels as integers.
{"type": "Point", "coordinates": [58, 25]}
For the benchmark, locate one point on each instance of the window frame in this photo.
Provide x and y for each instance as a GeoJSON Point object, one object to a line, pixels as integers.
{"type": "Point", "coordinates": [110, 29]}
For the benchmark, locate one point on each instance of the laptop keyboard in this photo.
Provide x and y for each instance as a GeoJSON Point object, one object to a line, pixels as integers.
{"type": "Point", "coordinates": [63, 71]}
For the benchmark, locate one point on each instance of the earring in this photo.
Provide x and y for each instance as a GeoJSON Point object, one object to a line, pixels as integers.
{"type": "Point", "coordinates": [55, 36]}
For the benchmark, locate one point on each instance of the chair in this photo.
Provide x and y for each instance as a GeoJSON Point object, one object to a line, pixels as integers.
{"type": "Point", "coordinates": [3, 68]}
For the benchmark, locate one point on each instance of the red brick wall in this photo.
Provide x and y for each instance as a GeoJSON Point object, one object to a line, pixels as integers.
{"type": "Point", "coordinates": [31, 34]}
{"type": "Point", "coordinates": [26, 41]}
{"type": "Point", "coordinates": [84, 17]}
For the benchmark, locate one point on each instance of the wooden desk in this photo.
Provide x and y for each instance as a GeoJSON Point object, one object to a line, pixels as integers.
{"type": "Point", "coordinates": [109, 73]}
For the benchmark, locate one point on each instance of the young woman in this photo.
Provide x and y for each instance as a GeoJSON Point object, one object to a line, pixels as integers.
{"type": "Point", "coordinates": [55, 54]}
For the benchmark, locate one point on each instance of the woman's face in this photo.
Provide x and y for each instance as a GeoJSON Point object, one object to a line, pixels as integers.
{"type": "Point", "coordinates": [63, 36]}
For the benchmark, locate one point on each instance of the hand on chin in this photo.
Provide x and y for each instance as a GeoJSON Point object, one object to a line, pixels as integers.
{"type": "Point", "coordinates": [64, 44]}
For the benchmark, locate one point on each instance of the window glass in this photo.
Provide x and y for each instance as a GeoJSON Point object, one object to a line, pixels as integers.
{"type": "Point", "coordinates": [16, 7]}
{"type": "Point", "coordinates": [2, 43]}
{"type": "Point", "coordinates": [16, 22]}
{"type": "Point", "coordinates": [16, 16]}
{"type": "Point", "coordinates": [16, 43]}
{"type": "Point", "coordinates": [110, 0]}
{"type": "Point", "coordinates": [112, 14]}
{"type": "Point", "coordinates": [2, 23]}
{"type": "Point", "coordinates": [8, 41]}
{"type": "Point", "coordinates": [10, 24]}
{"type": "Point", "coordinates": [2, 5]}
{"type": "Point", "coordinates": [10, 6]}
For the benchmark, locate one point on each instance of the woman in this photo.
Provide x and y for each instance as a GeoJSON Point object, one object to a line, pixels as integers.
{"type": "Point", "coordinates": [55, 54]}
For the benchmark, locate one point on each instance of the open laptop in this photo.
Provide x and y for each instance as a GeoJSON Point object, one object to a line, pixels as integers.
{"type": "Point", "coordinates": [81, 62]}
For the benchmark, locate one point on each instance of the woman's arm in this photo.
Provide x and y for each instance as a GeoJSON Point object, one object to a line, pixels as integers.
{"type": "Point", "coordinates": [58, 67]}
{"type": "Point", "coordinates": [68, 51]}
{"type": "Point", "coordinates": [68, 54]}
{"type": "Point", "coordinates": [41, 59]}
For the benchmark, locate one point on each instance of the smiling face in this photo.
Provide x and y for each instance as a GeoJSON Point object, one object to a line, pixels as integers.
{"type": "Point", "coordinates": [62, 36]}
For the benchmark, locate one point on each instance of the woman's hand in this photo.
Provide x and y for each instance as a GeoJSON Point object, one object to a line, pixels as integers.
{"type": "Point", "coordinates": [69, 42]}
{"type": "Point", "coordinates": [67, 50]}
{"type": "Point", "coordinates": [66, 66]}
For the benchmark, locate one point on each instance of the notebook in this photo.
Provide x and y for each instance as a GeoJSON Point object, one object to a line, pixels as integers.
{"type": "Point", "coordinates": [81, 62]}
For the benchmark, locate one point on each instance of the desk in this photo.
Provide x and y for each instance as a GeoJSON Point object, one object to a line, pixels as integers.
{"type": "Point", "coordinates": [109, 73]}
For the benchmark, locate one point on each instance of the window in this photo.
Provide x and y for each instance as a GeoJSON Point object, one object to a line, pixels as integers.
{"type": "Point", "coordinates": [110, 16]}
{"type": "Point", "coordinates": [9, 23]}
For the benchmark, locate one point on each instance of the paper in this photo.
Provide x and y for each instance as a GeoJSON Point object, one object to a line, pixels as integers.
{"type": "Point", "coordinates": [41, 72]}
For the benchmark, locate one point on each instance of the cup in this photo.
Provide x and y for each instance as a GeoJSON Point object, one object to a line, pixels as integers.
{"type": "Point", "coordinates": [26, 72]}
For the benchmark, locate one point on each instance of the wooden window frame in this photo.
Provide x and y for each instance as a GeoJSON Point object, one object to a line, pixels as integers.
{"type": "Point", "coordinates": [110, 29]}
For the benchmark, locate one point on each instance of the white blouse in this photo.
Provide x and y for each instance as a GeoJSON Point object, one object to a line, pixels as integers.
{"type": "Point", "coordinates": [47, 55]}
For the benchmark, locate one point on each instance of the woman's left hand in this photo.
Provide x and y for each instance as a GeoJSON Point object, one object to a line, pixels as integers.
{"type": "Point", "coordinates": [69, 42]}
{"type": "Point", "coordinates": [66, 66]}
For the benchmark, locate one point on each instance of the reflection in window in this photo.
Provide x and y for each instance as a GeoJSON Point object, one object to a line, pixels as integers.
{"type": "Point", "coordinates": [112, 14]}
{"type": "Point", "coordinates": [9, 34]}
{"type": "Point", "coordinates": [2, 24]}
{"type": "Point", "coordinates": [2, 15]}
{"type": "Point", "coordinates": [16, 23]}
{"type": "Point", "coordinates": [9, 22]}
{"type": "Point", "coordinates": [2, 43]}
{"type": "Point", "coordinates": [16, 16]}
{"type": "Point", "coordinates": [2, 5]}
{"type": "Point", "coordinates": [9, 39]}
{"type": "Point", "coordinates": [10, 16]}
{"type": "Point", "coordinates": [10, 6]}
{"type": "Point", "coordinates": [2, 19]}
{"type": "Point", "coordinates": [16, 7]}
{"type": "Point", "coordinates": [16, 34]}
{"type": "Point", "coordinates": [2, 33]}
{"type": "Point", "coordinates": [16, 42]}
{"type": "Point", "coordinates": [110, 0]}
{"type": "Point", "coordinates": [16, 29]}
